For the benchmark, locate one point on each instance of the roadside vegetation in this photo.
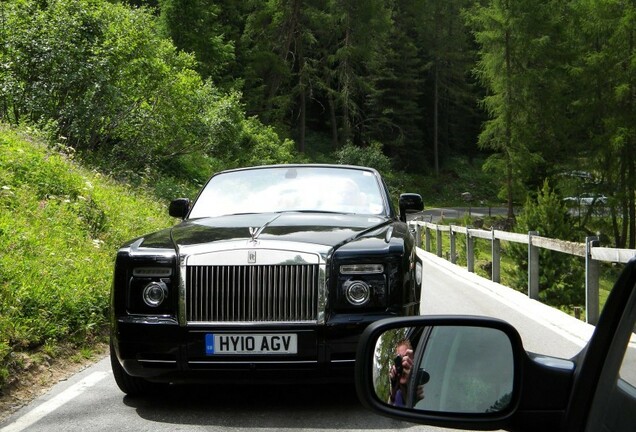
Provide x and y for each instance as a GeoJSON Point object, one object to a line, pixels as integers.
{"type": "Point", "coordinates": [60, 224]}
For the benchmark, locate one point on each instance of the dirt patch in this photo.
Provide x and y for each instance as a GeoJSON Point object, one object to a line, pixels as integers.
{"type": "Point", "coordinates": [37, 377]}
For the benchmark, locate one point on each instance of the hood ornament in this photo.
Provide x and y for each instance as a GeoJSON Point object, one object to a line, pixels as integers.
{"type": "Point", "coordinates": [254, 232]}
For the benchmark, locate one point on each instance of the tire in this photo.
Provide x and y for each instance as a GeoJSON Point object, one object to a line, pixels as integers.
{"type": "Point", "coordinates": [132, 386]}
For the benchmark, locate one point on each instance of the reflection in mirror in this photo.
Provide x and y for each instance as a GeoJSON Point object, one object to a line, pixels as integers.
{"type": "Point", "coordinates": [459, 369]}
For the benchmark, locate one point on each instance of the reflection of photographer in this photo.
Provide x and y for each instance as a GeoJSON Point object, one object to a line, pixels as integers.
{"type": "Point", "coordinates": [400, 372]}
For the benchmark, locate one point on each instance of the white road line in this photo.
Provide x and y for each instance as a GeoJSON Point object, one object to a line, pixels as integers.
{"type": "Point", "coordinates": [51, 405]}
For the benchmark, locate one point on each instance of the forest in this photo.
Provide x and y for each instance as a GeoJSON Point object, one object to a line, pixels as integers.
{"type": "Point", "coordinates": [545, 90]}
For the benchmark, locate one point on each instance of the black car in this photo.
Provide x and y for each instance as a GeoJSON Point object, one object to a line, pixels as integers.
{"type": "Point", "coordinates": [473, 373]}
{"type": "Point", "coordinates": [273, 274]}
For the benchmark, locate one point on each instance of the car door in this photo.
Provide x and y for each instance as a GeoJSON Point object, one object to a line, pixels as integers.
{"type": "Point", "coordinates": [613, 405]}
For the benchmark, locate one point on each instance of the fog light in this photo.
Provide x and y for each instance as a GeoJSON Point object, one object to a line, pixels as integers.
{"type": "Point", "coordinates": [155, 293]}
{"type": "Point", "coordinates": [357, 293]}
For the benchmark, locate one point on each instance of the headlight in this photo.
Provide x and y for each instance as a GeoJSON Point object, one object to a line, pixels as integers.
{"type": "Point", "coordinates": [362, 287]}
{"type": "Point", "coordinates": [418, 273]}
{"type": "Point", "coordinates": [155, 293]}
{"type": "Point", "coordinates": [357, 292]}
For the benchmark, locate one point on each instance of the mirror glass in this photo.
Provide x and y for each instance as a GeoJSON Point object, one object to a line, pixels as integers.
{"type": "Point", "coordinates": [458, 369]}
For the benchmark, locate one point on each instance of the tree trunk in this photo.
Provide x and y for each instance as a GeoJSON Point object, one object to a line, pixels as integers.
{"type": "Point", "coordinates": [508, 126]}
{"type": "Point", "coordinates": [334, 122]}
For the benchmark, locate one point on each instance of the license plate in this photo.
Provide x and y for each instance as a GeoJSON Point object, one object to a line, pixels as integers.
{"type": "Point", "coordinates": [242, 344]}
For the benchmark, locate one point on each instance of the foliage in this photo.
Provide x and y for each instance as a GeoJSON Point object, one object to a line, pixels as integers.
{"type": "Point", "coordinates": [353, 71]}
{"type": "Point", "coordinates": [521, 64]}
{"type": "Point", "coordinates": [101, 76]}
{"type": "Point", "coordinates": [194, 26]}
{"type": "Point", "coordinates": [560, 80]}
{"type": "Point", "coordinates": [371, 156]}
{"type": "Point", "coordinates": [59, 227]}
{"type": "Point", "coordinates": [604, 105]}
{"type": "Point", "coordinates": [561, 275]}
{"type": "Point", "coordinates": [137, 88]}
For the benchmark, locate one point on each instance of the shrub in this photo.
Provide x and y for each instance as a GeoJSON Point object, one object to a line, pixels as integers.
{"type": "Point", "coordinates": [561, 279]}
{"type": "Point", "coordinates": [371, 156]}
{"type": "Point", "coordinates": [100, 75]}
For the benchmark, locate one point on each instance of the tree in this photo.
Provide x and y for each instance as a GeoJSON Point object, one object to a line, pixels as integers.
{"type": "Point", "coordinates": [522, 63]}
{"type": "Point", "coordinates": [395, 116]}
{"type": "Point", "coordinates": [308, 53]}
{"type": "Point", "coordinates": [605, 105]}
{"type": "Point", "coordinates": [451, 96]}
{"type": "Point", "coordinates": [274, 40]}
{"type": "Point", "coordinates": [194, 27]}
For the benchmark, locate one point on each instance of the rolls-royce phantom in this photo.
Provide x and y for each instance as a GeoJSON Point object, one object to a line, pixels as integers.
{"type": "Point", "coordinates": [272, 273]}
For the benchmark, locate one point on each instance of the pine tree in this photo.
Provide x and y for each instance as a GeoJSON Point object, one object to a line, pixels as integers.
{"type": "Point", "coordinates": [194, 26]}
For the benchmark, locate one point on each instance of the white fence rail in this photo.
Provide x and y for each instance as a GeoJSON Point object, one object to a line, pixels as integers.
{"type": "Point", "coordinates": [589, 250]}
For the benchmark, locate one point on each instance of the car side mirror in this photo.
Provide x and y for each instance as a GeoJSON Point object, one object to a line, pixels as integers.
{"type": "Point", "coordinates": [410, 203]}
{"type": "Point", "coordinates": [179, 208]}
{"type": "Point", "coordinates": [442, 371]}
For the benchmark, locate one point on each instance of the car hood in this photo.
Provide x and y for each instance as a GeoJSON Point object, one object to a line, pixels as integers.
{"type": "Point", "coordinates": [317, 228]}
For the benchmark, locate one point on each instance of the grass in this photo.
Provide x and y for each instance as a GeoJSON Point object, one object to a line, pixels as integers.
{"type": "Point", "coordinates": [60, 227]}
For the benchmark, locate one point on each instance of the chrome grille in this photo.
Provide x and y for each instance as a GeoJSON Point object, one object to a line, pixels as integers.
{"type": "Point", "coordinates": [271, 293]}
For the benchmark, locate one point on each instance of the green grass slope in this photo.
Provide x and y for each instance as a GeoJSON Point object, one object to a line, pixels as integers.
{"type": "Point", "coordinates": [60, 227]}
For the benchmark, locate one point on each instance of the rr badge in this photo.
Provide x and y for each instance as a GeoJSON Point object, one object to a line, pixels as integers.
{"type": "Point", "coordinates": [251, 257]}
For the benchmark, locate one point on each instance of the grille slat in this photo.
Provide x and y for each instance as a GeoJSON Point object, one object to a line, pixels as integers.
{"type": "Point", "coordinates": [272, 293]}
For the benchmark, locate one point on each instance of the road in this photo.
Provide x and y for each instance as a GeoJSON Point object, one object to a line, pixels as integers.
{"type": "Point", "coordinates": [449, 289]}
{"type": "Point", "coordinates": [437, 214]}
{"type": "Point", "coordinates": [91, 401]}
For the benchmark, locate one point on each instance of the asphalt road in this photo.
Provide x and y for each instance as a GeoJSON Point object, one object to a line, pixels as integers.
{"type": "Point", "coordinates": [90, 400]}
{"type": "Point", "coordinates": [438, 214]}
{"type": "Point", "coordinates": [449, 289]}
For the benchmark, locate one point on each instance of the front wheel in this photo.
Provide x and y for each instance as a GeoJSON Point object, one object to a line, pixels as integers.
{"type": "Point", "coordinates": [132, 386]}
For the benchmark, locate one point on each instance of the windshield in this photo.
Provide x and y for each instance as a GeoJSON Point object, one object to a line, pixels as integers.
{"type": "Point", "coordinates": [284, 189]}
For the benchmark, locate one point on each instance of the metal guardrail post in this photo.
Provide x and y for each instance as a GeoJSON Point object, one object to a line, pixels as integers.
{"type": "Point", "coordinates": [592, 275]}
{"type": "Point", "coordinates": [470, 252]}
{"type": "Point", "coordinates": [453, 246]}
{"type": "Point", "coordinates": [533, 268]}
{"type": "Point", "coordinates": [496, 258]}
{"type": "Point", "coordinates": [418, 235]}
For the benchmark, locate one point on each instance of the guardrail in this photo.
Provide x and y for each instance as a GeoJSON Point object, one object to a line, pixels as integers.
{"type": "Point", "coordinates": [589, 250]}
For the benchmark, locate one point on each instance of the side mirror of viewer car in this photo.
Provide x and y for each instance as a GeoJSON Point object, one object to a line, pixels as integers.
{"type": "Point", "coordinates": [179, 208]}
{"type": "Point", "coordinates": [465, 370]}
{"type": "Point", "coordinates": [410, 203]}
{"type": "Point", "coordinates": [481, 378]}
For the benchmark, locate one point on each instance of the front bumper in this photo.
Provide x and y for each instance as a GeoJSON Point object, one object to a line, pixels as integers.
{"type": "Point", "coordinates": [161, 350]}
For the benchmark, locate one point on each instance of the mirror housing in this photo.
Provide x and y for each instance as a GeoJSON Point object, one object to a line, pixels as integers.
{"type": "Point", "coordinates": [410, 203]}
{"type": "Point", "coordinates": [368, 371]}
{"type": "Point", "coordinates": [179, 208]}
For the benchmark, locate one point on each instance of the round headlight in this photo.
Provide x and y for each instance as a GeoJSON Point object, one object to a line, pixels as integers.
{"type": "Point", "coordinates": [155, 293]}
{"type": "Point", "coordinates": [358, 293]}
